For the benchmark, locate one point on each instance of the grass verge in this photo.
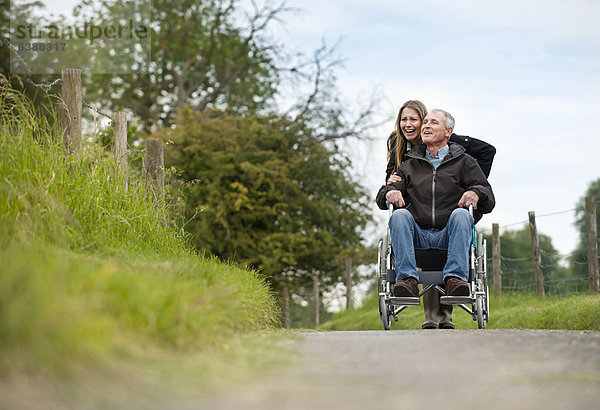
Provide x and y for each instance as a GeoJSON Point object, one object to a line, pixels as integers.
{"type": "Point", "coordinates": [576, 312]}
{"type": "Point", "coordinates": [101, 296]}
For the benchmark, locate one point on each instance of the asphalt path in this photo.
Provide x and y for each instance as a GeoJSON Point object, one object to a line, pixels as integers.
{"type": "Point", "coordinates": [428, 369]}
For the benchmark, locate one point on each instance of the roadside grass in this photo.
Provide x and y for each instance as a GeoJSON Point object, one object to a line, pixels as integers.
{"type": "Point", "coordinates": [80, 204]}
{"type": "Point", "coordinates": [511, 311]}
{"type": "Point", "coordinates": [97, 282]}
{"type": "Point", "coordinates": [59, 307]}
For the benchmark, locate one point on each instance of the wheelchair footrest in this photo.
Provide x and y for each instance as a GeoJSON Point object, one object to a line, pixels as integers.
{"type": "Point", "coordinates": [405, 301]}
{"type": "Point", "coordinates": [456, 300]}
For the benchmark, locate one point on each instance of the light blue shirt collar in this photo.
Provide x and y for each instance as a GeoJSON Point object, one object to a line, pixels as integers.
{"type": "Point", "coordinates": [439, 156]}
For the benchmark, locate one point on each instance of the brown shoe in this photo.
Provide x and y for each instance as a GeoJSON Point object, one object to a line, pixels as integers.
{"type": "Point", "coordinates": [447, 325]}
{"type": "Point", "coordinates": [406, 287]}
{"type": "Point", "coordinates": [457, 287]}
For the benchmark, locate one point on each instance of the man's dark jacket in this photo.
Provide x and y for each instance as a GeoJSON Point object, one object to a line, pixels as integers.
{"type": "Point", "coordinates": [431, 195]}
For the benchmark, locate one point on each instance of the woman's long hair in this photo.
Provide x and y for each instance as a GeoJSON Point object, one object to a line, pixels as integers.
{"type": "Point", "coordinates": [396, 143]}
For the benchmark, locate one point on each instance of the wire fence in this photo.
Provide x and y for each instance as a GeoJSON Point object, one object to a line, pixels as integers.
{"type": "Point", "coordinates": [153, 158]}
{"type": "Point", "coordinates": [47, 87]}
{"type": "Point", "coordinates": [563, 273]}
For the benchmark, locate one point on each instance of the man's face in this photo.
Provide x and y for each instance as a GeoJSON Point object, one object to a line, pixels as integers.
{"type": "Point", "coordinates": [433, 130]}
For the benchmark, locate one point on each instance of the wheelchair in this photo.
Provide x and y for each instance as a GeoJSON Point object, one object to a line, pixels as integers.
{"type": "Point", "coordinates": [430, 265]}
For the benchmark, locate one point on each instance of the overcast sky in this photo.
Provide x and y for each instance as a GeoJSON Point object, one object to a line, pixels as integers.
{"type": "Point", "coordinates": [523, 75]}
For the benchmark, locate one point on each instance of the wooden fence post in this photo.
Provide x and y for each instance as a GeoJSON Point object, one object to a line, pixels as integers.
{"type": "Point", "coordinates": [120, 143]}
{"type": "Point", "coordinates": [497, 261]}
{"type": "Point", "coordinates": [71, 110]}
{"type": "Point", "coordinates": [592, 243]}
{"type": "Point", "coordinates": [287, 322]}
{"type": "Point", "coordinates": [317, 299]}
{"type": "Point", "coordinates": [154, 168]}
{"type": "Point", "coordinates": [348, 283]}
{"type": "Point", "coordinates": [537, 257]}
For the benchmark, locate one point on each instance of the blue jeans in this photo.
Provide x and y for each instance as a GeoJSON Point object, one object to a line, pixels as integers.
{"type": "Point", "coordinates": [406, 235]}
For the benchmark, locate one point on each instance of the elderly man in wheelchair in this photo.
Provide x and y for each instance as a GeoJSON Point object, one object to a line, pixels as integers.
{"type": "Point", "coordinates": [437, 182]}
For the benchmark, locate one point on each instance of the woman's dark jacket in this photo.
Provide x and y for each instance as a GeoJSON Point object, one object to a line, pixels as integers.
{"type": "Point", "coordinates": [431, 195]}
{"type": "Point", "coordinates": [480, 150]}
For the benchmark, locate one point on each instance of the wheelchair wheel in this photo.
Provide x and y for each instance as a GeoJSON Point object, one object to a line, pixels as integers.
{"type": "Point", "coordinates": [480, 315]}
{"type": "Point", "coordinates": [487, 288]}
{"type": "Point", "coordinates": [381, 263]}
{"type": "Point", "coordinates": [384, 314]}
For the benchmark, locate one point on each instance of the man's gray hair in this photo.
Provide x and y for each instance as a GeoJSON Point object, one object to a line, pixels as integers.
{"type": "Point", "coordinates": [449, 118]}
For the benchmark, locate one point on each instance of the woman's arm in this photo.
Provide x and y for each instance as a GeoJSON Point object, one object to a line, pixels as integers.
{"type": "Point", "coordinates": [391, 166]}
{"type": "Point", "coordinates": [478, 149]}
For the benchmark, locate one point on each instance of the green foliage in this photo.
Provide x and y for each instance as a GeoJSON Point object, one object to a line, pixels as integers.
{"type": "Point", "coordinates": [203, 53]}
{"type": "Point", "coordinates": [517, 264]}
{"type": "Point", "coordinates": [512, 310]}
{"type": "Point", "coordinates": [575, 312]}
{"type": "Point", "coordinates": [578, 260]}
{"type": "Point", "coordinates": [90, 269]}
{"type": "Point", "coordinates": [267, 194]}
{"type": "Point", "coordinates": [58, 307]}
{"type": "Point", "coordinates": [78, 204]}
{"type": "Point", "coordinates": [20, 11]}
{"type": "Point", "coordinates": [592, 190]}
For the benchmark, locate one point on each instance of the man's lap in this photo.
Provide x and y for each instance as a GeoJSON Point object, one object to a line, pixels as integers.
{"type": "Point", "coordinates": [429, 237]}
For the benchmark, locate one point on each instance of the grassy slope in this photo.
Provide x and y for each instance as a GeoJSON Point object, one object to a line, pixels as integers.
{"type": "Point", "coordinates": [578, 312]}
{"type": "Point", "coordinates": [93, 280]}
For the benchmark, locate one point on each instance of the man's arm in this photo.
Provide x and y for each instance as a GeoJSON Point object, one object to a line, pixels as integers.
{"type": "Point", "coordinates": [396, 191]}
{"type": "Point", "coordinates": [381, 197]}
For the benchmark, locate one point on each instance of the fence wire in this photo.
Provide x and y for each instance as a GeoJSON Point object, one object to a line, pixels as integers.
{"type": "Point", "coordinates": [6, 42]}
{"type": "Point", "coordinates": [47, 87]}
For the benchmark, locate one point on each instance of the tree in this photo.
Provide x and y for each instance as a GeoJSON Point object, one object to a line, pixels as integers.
{"type": "Point", "coordinates": [517, 263]}
{"type": "Point", "coordinates": [320, 106]}
{"type": "Point", "coordinates": [578, 261]}
{"type": "Point", "coordinates": [218, 54]}
{"type": "Point", "coordinates": [204, 54]}
{"type": "Point", "coordinates": [267, 194]}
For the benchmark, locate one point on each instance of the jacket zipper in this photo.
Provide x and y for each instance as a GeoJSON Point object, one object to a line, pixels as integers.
{"type": "Point", "coordinates": [433, 178]}
{"type": "Point", "coordinates": [433, 199]}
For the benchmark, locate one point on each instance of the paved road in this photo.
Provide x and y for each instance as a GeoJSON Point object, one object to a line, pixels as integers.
{"type": "Point", "coordinates": [430, 369]}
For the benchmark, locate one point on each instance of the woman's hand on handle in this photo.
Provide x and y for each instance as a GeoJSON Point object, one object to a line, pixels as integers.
{"type": "Point", "coordinates": [394, 178]}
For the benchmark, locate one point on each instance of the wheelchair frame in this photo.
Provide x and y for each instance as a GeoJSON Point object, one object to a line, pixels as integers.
{"type": "Point", "coordinates": [432, 277]}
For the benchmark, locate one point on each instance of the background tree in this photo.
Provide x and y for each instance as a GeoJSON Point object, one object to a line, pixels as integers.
{"type": "Point", "coordinates": [517, 263]}
{"type": "Point", "coordinates": [267, 194]}
{"type": "Point", "coordinates": [210, 53]}
{"type": "Point", "coordinates": [578, 262]}
{"type": "Point", "coordinates": [221, 54]}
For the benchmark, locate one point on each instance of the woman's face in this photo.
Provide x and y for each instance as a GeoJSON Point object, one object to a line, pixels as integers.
{"type": "Point", "coordinates": [410, 123]}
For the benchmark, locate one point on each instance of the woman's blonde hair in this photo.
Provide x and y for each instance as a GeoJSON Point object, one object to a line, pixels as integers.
{"type": "Point", "coordinates": [397, 140]}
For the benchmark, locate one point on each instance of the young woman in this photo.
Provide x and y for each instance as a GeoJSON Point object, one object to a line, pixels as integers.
{"type": "Point", "coordinates": [407, 134]}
